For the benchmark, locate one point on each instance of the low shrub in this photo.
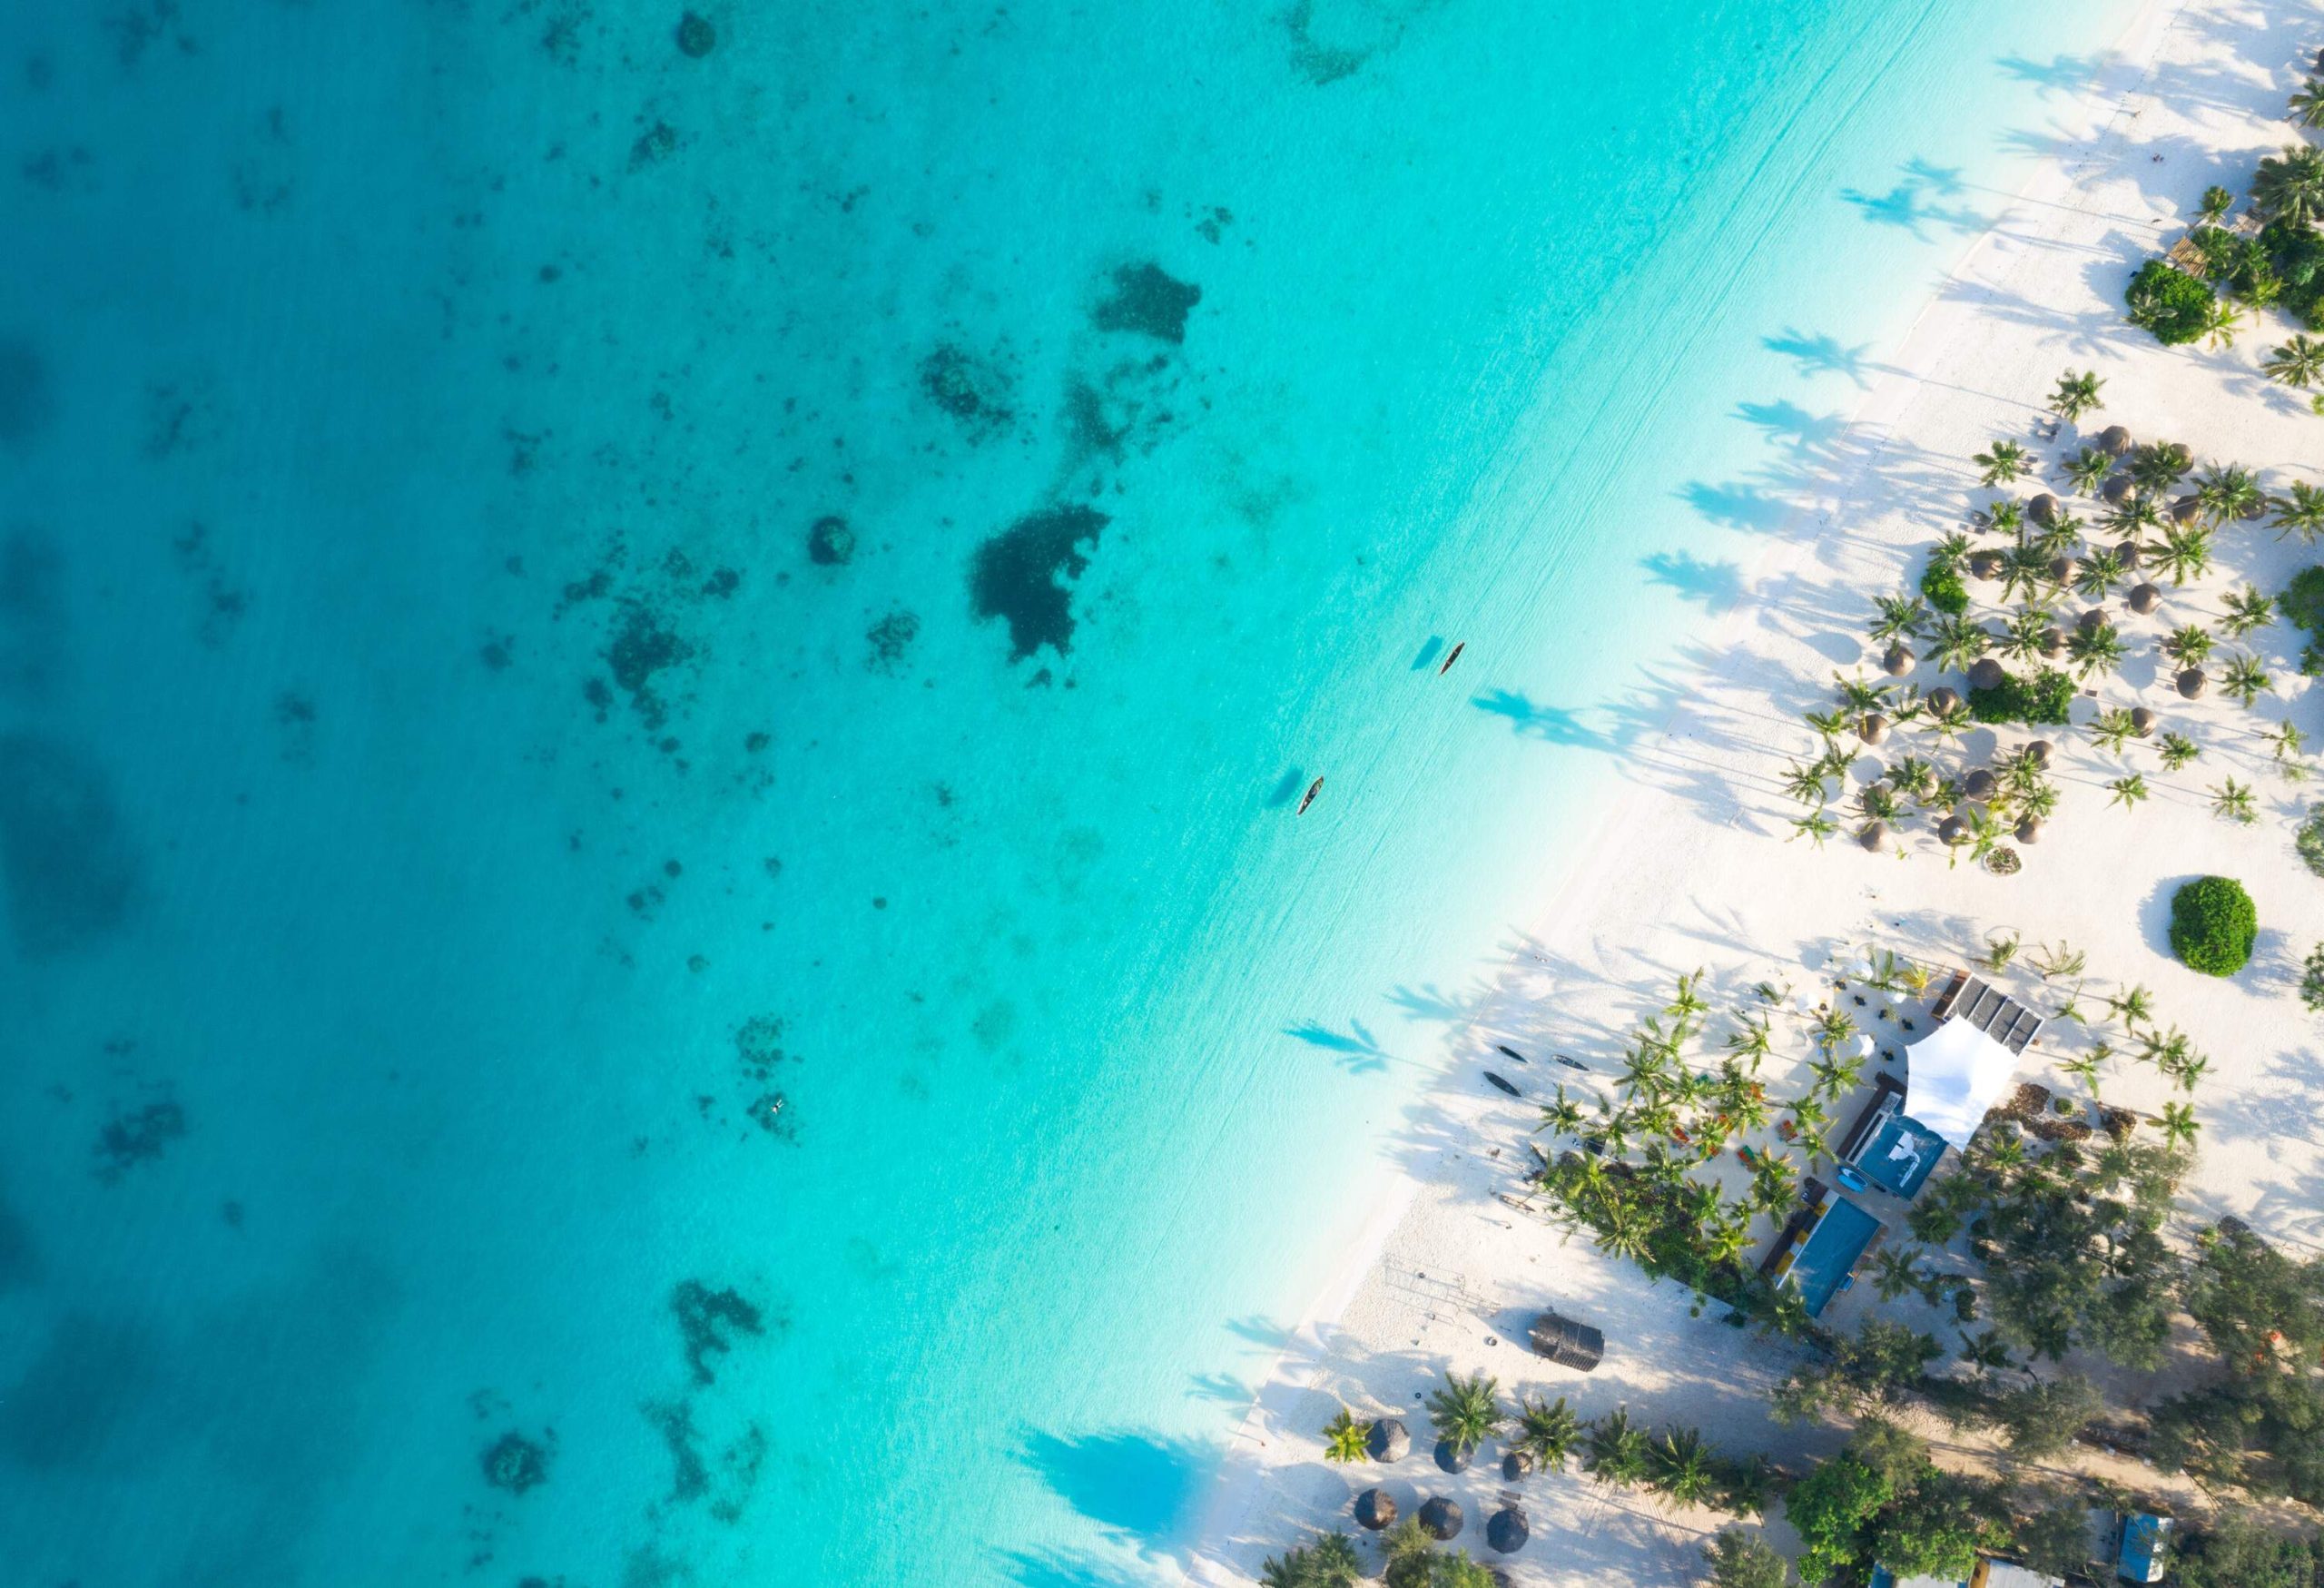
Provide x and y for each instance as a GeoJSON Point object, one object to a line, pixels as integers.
{"type": "Point", "coordinates": [2168, 301]}
{"type": "Point", "coordinates": [2303, 599]}
{"type": "Point", "coordinates": [2214, 924]}
{"type": "Point", "coordinates": [2308, 839]}
{"type": "Point", "coordinates": [1942, 586]}
{"type": "Point", "coordinates": [2042, 698]}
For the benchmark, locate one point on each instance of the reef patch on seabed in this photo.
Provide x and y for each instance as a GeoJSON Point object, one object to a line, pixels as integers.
{"type": "Point", "coordinates": [517, 1464]}
{"type": "Point", "coordinates": [62, 1411]}
{"type": "Point", "coordinates": [137, 1135]}
{"type": "Point", "coordinates": [975, 391]}
{"type": "Point", "coordinates": [70, 870]}
{"type": "Point", "coordinates": [32, 628]}
{"type": "Point", "coordinates": [889, 639]}
{"type": "Point", "coordinates": [710, 1320]}
{"type": "Point", "coordinates": [1148, 301]}
{"type": "Point", "coordinates": [25, 398]}
{"type": "Point", "coordinates": [1023, 575]}
{"type": "Point", "coordinates": [20, 1265]}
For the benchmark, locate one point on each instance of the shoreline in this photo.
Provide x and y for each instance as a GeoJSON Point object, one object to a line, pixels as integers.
{"type": "Point", "coordinates": [2103, 117]}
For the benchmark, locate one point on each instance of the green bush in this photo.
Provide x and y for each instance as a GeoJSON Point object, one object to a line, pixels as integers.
{"type": "Point", "coordinates": [2303, 599]}
{"type": "Point", "coordinates": [2168, 301]}
{"type": "Point", "coordinates": [2308, 839]}
{"type": "Point", "coordinates": [2214, 924]}
{"type": "Point", "coordinates": [2042, 698]}
{"type": "Point", "coordinates": [1943, 587]}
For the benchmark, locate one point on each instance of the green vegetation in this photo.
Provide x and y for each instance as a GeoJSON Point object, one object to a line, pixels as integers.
{"type": "Point", "coordinates": [1466, 1411]}
{"type": "Point", "coordinates": [2302, 600]}
{"type": "Point", "coordinates": [2214, 924]}
{"type": "Point", "coordinates": [1415, 1562]}
{"type": "Point", "coordinates": [1329, 1563]}
{"type": "Point", "coordinates": [2260, 1423]}
{"type": "Point", "coordinates": [2311, 980]}
{"type": "Point", "coordinates": [2042, 698]}
{"type": "Point", "coordinates": [2239, 1552]}
{"type": "Point", "coordinates": [1744, 1560]}
{"type": "Point", "coordinates": [2168, 301]}
{"type": "Point", "coordinates": [1344, 1436]}
{"type": "Point", "coordinates": [1943, 585]}
{"type": "Point", "coordinates": [2308, 839]}
{"type": "Point", "coordinates": [1546, 1431]}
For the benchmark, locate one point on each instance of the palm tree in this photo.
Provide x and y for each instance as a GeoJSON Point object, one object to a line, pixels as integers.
{"type": "Point", "coordinates": [2058, 538]}
{"type": "Point", "coordinates": [1615, 1452]}
{"type": "Point", "coordinates": [2087, 469]}
{"type": "Point", "coordinates": [2134, 1006]}
{"type": "Point", "coordinates": [2005, 462]}
{"type": "Point", "coordinates": [2221, 320]}
{"type": "Point", "coordinates": [2232, 802]}
{"type": "Point", "coordinates": [2286, 741]}
{"type": "Point", "coordinates": [2005, 518]}
{"type": "Point", "coordinates": [1546, 1431]}
{"type": "Point", "coordinates": [2227, 491]}
{"type": "Point", "coordinates": [2300, 511]}
{"type": "Point", "coordinates": [2099, 572]}
{"type": "Point", "coordinates": [1902, 618]}
{"type": "Point", "coordinates": [2095, 650]}
{"type": "Point", "coordinates": [2298, 362]}
{"type": "Point", "coordinates": [2083, 1068]}
{"type": "Point", "coordinates": [2178, 750]}
{"type": "Point", "coordinates": [1985, 1351]}
{"type": "Point", "coordinates": [2179, 1125]}
{"type": "Point", "coordinates": [2026, 570]}
{"type": "Point", "coordinates": [2128, 791]}
{"type": "Point", "coordinates": [2027, 633]}
{"type": "Point", "coordinates": [1895, 1274]}
{"type": "Point", "coordinates": [2246, 609]}
{"type": "Point", "coordinates": [2244, 679]}
{"type": "Point", "coordinates": [1344, 1437]}
{"type": "Point", "coordinates": [1562, 1117]}
{"type": "Point", "coordinates": [2113, 730]}
{"type": "Point", "coordinates": [2289, 186]}
{"type": "Point", "coordinates": [1466, 1411]}
{"type": "Point", "coordinates": [1955, 642]}
{"type": "Point", "coordinates": [2160, 465]}
{"type": "Point", "coordinates": [2190, 644]}
{"type": "Point", "coordinates": [2186, 553]}
{"type": "Point", "coordinates": [2307, 104]}
{"type": "Point", "coordinates": [1682, 1466]}
{"type": "Point", "coordinates": [2216, 203]}
{"type": "Point", "coordinates": [2075, 395]}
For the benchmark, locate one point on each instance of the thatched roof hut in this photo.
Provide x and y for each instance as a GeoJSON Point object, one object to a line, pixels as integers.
{"type": "Point", "coordinates": [1567, 1343]}
{"type": "Point", "coordinates": [2116, 489]}
{"type": "Point", "coordinates": [1517, 1466]}
{"type": "Point", "coordinates": [2061, 569]}
{"type": "Point", "coordinates": [1986, 565]}
{"type": "Point", "coordinates": [2190, 682]}
{"type": "Point", "coordinates": [1984, 673]}
{"type": "Point", "coordinates": [2143, 720]}
{"type": "Point", "coordinates": [2029, 830]}
{"type": "Point", "coordinates": [2144, 598]}
{"type": "Point", "coordinates": [1952, 830]}
{"type": "Point", "coordinates": [2039, 751]}
{"type": "Point", "coordinates": [2186, 510]}
{"type": "Point", "coordinates": [2091, 620]}
{"type": "Point", "coordinates": [2127, 549]}
{"type": "Point", "coordinates": [2113, 440]}
{"type": "Point", "coordinates": [1944, 701]}
{"type": "Point", "coordinates": [1979, 784]}
{"type": "Point", "coordinates": [1873, 835]}
{"type": "Point", "coordinates": [1897, 660]}
{"type": "Point", "coordinates": [2042, 509]}
{"type": "Point", "coordinates": [1506, 1530]}
{"type": "Point", "coordinates": [2053, 644]}
{"type": "Point", "coordinates": [1442, 1517]}
{"type": "Point", "coordinates": [1452, 1457]}
{"type": "Point", "coordinates": [1873, 729]}
{"type": "Point", "coordinates": [1375, 1509]}
{"type": "Point", "coordinates": [1388, 1441]}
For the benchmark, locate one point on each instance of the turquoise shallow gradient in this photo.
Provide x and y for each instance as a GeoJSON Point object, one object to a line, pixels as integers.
{"type": "Point", "coordinates": [385, 388]}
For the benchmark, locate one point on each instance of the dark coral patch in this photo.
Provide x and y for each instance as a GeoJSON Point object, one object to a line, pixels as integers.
{"type": "Point", "coordinates": [1023, 574]}
{"type": "Point", "coordinates": [697, 37]}
{"type": "Point", "coordinates": [516, 1463]}
{"type": "Point", "coordinates": [889, 638]}
{"type": "Point", "coordinates": [706, 1320]}
{"type": "Point", "coordinates": [70, 869]}
{"type": "Point", "coordinates": [23, 392]}
{"type": "Point", "coordinates": [135, 1135]}
{"type": "Point", "coordinates": [829, 542]}
{"type": "Point", "coordinates": [644, 645]}
{"type": "Point", "coordinates": [1149, 300]}
{"type": "Point", "coordinates": [973, 391]}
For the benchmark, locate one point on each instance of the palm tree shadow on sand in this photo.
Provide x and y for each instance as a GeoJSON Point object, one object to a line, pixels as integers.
{"type": "Point", "coordinates": [1359, 1052]}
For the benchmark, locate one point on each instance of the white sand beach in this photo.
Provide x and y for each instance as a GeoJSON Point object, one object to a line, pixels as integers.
{"type": "Point", "coordinates": [1693, 870]}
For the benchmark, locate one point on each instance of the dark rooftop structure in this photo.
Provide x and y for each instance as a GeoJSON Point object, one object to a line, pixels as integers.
{"type": "Point", "coordinates": [1992, 1011]}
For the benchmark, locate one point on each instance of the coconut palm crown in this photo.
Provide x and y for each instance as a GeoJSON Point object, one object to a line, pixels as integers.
{"type": "Point", "coordinates": [1467, 1411]}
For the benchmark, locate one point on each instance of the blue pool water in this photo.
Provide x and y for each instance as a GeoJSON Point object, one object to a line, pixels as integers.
{"type": "Point", "coordinates": [1829, 1252]}
{"type": "Point", "coordinates": [653, 685]}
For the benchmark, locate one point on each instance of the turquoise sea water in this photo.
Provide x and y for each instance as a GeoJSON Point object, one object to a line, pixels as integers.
{"type": "Point", "coordinates": [651, 700]}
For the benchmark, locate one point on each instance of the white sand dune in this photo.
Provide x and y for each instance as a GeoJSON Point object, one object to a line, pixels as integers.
{"type": "Point", "coordinates": [1692, 870]}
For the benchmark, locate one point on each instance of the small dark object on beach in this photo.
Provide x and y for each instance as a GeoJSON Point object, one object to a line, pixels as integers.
{"type": "Point", "coordinates": [696, 37]}
{"type": "Point", "coordinates": [1375, 1509]}
{"type": "Point", "coordinates": [1453, 658]}
{"type": "Point", "coordinates": [1442, 1517]}
{"type": "Point", "coordinates": [1873, 835]}
{"type": "Point", "coordinates": [829, 542]}
{"type": "Point", "coordinates": [516, 1463]}
{"type": "Point", "coordinates": [1388, 1441]}
{"type": "Point", "coordinates": [1514, 1053]}
{"type": "Point", "coordinates": [1570, 1063]}
{"type": "Point", "coordinates": [2042, 509]}
{"type": "Point", "coordinates": [1502, 1084]}
{"type": "Point", "coordinates": [1452, 1457]}
{"type": "Point", "coordinates": [1506, 1530]}
{"type": "Point", "coordinates": [2143, 598]}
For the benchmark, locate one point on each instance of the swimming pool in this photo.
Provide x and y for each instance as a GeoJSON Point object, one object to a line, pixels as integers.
{"type": "Point", "coordinates": [1829, 1252]}
{"type": "Point", "coordinates": [1901, 1155]}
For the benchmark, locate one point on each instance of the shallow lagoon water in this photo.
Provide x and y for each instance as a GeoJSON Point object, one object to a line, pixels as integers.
{"type": "Point", "coordinates": [654, 697]}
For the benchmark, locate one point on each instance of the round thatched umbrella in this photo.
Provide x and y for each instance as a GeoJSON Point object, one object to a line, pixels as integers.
{"type": "Point", "coordinates": [2042, 509]}
{"type": "Point", "coordinates": [1952, 830]}
{"type": "Point", "coordinates": [2143, 598]}
{"type": "Point", "coordinates": [2053, 644]}
{"type": "Point", "coordinates": [2186, 510]}
{"type": "Point", "coordinates": [2039, 751]}
{"type": "Point", "coordinates": [2061, 569]}
{"type": "Point", "coordinates": [1873, 835]}
{"type": "Point", "coordinates": [2254, 509]}
{"type": "Point", "coordinates": [2127, 550]}
{"type": "Point", "coordinates": [1517, 1465]}
{"type": "Point", "coordinates": [2190, 682]}
{"type": "Point", "coordinates": [2092, 621]}
{"type": "Point", "coordinates": [1388, 1441]}
{"type": "Point", "coordinates": [1873, 729]}
{"type": "Point", "coordinates": [2319, 60]}
{"type": "Point", "coordinates": [2029, 830]}
{"type": "Point", "coordinates": [1984, 673]}
{"type": "Point", "coordinates": [2116, 490]}
{"type": "Point", "coordinates": [1452, 1457]}
{"type": "Point", "coordinates": [1506, 1530]}
{"type": "Point", "coordinates": [1944, 702]}
{"type": "Point", "coordinates": [1442, 1517]}
{"type": "Point", "coordinates": [1375, 1509]}
{"type": "Point", "coordinates": [1897, 660]}
{"type": "Point", "coordinates": [1979, 784]}
{"type": "Point", "coordinates": [2143, 720]}
{"type": "Point", "coordinates": [1986, 565]}
{"type": "Point", "coordinates": [2113, 440]}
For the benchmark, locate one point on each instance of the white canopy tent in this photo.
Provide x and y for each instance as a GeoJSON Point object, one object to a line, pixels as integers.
{"type": "Point", "coordinates": [1954, 1074]}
